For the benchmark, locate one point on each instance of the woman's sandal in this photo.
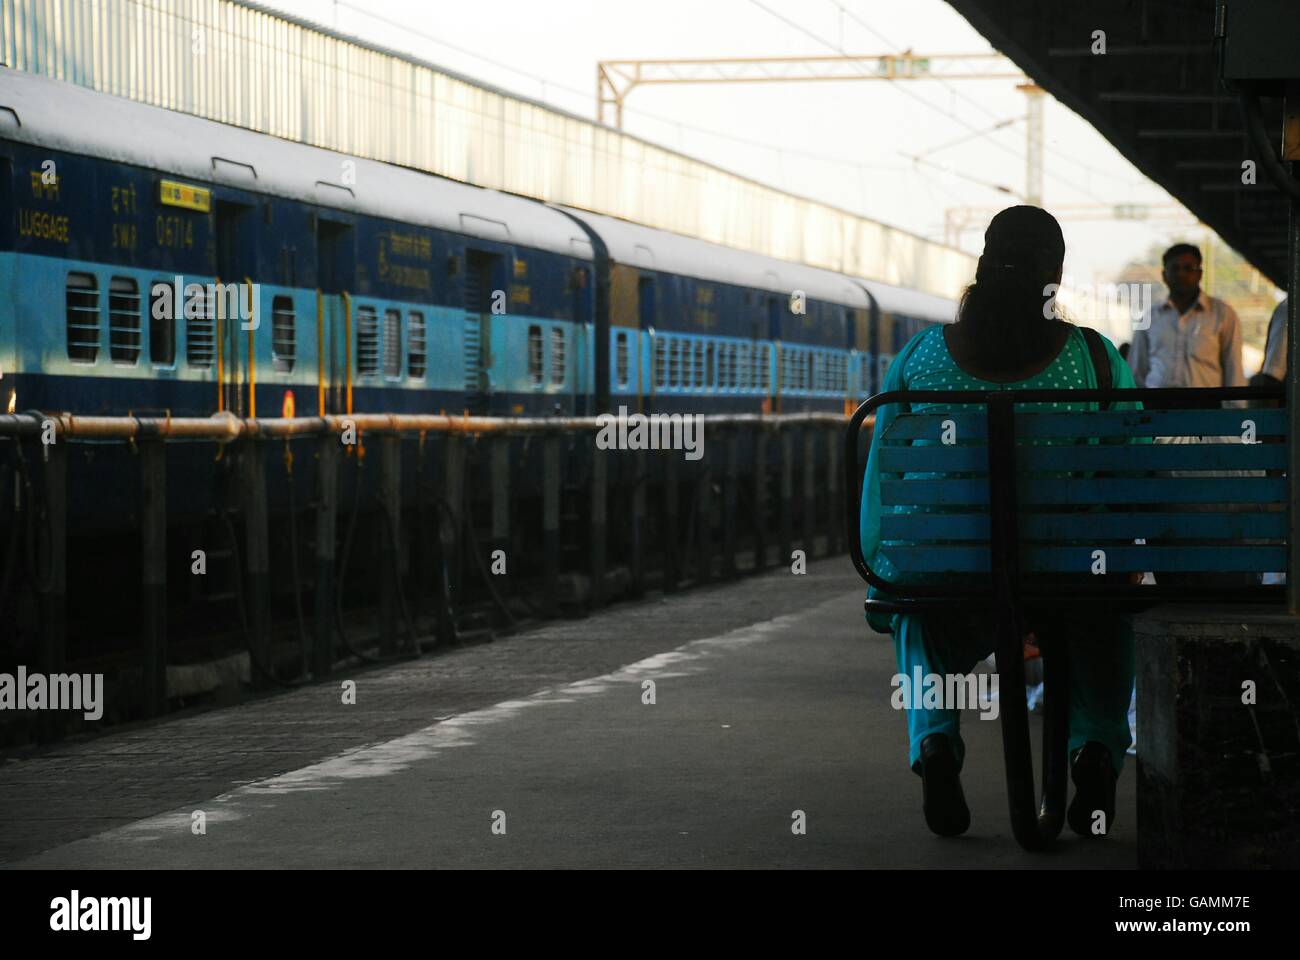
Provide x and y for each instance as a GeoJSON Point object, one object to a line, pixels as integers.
{"type": "Point", "coordinates": [944, 803]}
{"type": "Point", "coordinates": [1094, 780]}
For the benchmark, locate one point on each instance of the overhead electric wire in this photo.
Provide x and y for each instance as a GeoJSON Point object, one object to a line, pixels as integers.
{"type": "Point", "coordinates": [915, 96]}
{"type": "Point", "coordinates": [1058, 153]}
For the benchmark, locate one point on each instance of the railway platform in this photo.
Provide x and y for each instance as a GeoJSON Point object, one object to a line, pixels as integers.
{"type": "Point", "coordinates": [771, 697]}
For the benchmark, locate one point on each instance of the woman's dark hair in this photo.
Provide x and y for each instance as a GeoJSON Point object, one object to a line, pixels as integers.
{"type": "Point", "coordinates": [1005, 306]}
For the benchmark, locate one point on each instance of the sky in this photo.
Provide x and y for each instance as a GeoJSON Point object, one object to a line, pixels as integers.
{"type": "Point", "coordinates": [848, 143]}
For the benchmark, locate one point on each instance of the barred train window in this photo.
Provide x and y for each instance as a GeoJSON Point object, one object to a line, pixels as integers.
{"type": "Point", "coordinates": [675, 363]}
{"type": "Point", "coordinates": [82, 304]}
{"type": "Point", "coordinates": [392, 343]}
{"type": "Point", "coordinates": [200, 329]}
{"type": "Point", "coordinates": [162, 325]}
{"type": "Point", "coordinates": [416, 357]}
{"type": "Point", "coordinates": [621, 359]}
{"type": "Point", "coordinates": [535, 356]}
{"type": "Point", "coordinates": [744, 364]}
{"type": "Point", "coordinates": [557, 356]}
{"type": "Point", "coordinates": [701, 371]}
{"type": "Point", "coordinates": [367, 341]}
{"type": "Point", "coordinates": [661, 362]}
{"type": "Point", "coordinates": [123, 320]}
{"type": "Point", "coordinates": [283, 338]}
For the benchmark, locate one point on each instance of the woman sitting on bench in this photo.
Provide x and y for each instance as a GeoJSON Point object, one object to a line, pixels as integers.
{"type": "Point", "coordinates": [1006, 337]}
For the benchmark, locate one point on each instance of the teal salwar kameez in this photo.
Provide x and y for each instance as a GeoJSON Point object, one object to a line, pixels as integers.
{"type": "Point", "coordinates": [1100, 644]}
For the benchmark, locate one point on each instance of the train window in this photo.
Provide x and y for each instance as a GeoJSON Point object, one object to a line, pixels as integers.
{"type": "Point", "coordinates": [367, 341]}
{"type": "Point", "coordinates": [162, 325]}
{"type": "Point", "coordinates": [535, 356]}
{"type": "Point", "coordinates": [82, 305]}
{"type": "Point", "coordinates": [675, 364]}
{"type": "Point", "coordinates": [810, 374]}
{"type": "Point", "coordinates": [123, 320]}
{"type": "Point", "coordinates": [883, 363]}
{"type": "Point", "coordinates": [621, 359]}
{"type": "Point", "coordinates": [701, 370]}
{"type": "Point", "coordinates": [557, 356]}
{"type": "Point", "coordinates": [743, 363]}
{"type": "Point", "coordinates": [392, 343]}
{"type": "Point", "coordinates": [200, 331]}
{"type": "Point", "coordinates": [661, 362]}
{"type": "Point", "coordinates": [283, 343]}
{"type": "Point", "coordinates": [416, 360]}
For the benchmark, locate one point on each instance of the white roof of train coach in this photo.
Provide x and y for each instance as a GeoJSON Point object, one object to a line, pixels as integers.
{"type": "Point", "coordinates": [638, 245]}
{"type": "Point", "coordinates": [912, 303]}
{"type": "Point", "coordinates": [64, 116]}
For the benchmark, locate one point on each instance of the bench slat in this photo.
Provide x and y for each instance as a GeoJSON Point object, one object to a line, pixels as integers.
{"type": "Point", "coordinates": [971, 424]}
{"type": "Point", "coordinates": [1181, 525]}
{"type": "Point", "coordinates": [1150, 423]}
{"type": "Point", "coordinates": [1132, 458]}
{"type": "Point", "coordinates": [1119, 559]}
{"type": "Point", "coordinates": [1125, 491]}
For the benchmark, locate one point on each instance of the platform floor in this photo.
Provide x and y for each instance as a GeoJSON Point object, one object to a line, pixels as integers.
{"type": "Point", "coordinates": [772, 696]}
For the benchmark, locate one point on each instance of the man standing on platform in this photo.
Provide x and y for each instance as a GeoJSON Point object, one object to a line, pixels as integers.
{"type": "Point", "coordinates": [1274, 367]}
{"type": "Point", "coordinates": [1272, 373]}
{"type": "Point", "coordinates": [1191, 339]}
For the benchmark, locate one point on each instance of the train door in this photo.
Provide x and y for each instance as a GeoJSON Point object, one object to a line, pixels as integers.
{"type": "Point", "coordinates": [586, 354]}
{"type": "Point", "coordinates": [8, 299]}
{"type": "Point", "coordinates": [334, 278]}
{"type": "Point", "coordinates": [773, 403]}
{"type": "Point", "coordinates": [483, 281]}
{"type": "Point", "coordinates": [645, 318]}
{"type": "Point", "coordinates": [236, 263]}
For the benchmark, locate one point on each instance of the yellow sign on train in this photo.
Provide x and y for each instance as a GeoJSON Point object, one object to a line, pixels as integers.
{"type": "Point", "coordinates": [174, 194]}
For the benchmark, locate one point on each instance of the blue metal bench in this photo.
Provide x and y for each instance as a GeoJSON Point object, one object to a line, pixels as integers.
{"type": "Point", "coordinates": [1034, 504]}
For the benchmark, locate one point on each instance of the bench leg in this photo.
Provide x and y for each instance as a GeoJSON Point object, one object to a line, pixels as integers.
{"type": "Point", "coordinates": [1034, 829]}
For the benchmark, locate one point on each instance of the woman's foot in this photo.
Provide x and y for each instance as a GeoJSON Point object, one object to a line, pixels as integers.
{"type": "Point", "coordinates": [944, 803]}
{"type": "Point", "coordinates": [1092, 814]}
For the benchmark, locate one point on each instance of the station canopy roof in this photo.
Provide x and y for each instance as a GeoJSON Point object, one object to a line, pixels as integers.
{"type": "Point", "coordinates": [1155, 94]}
